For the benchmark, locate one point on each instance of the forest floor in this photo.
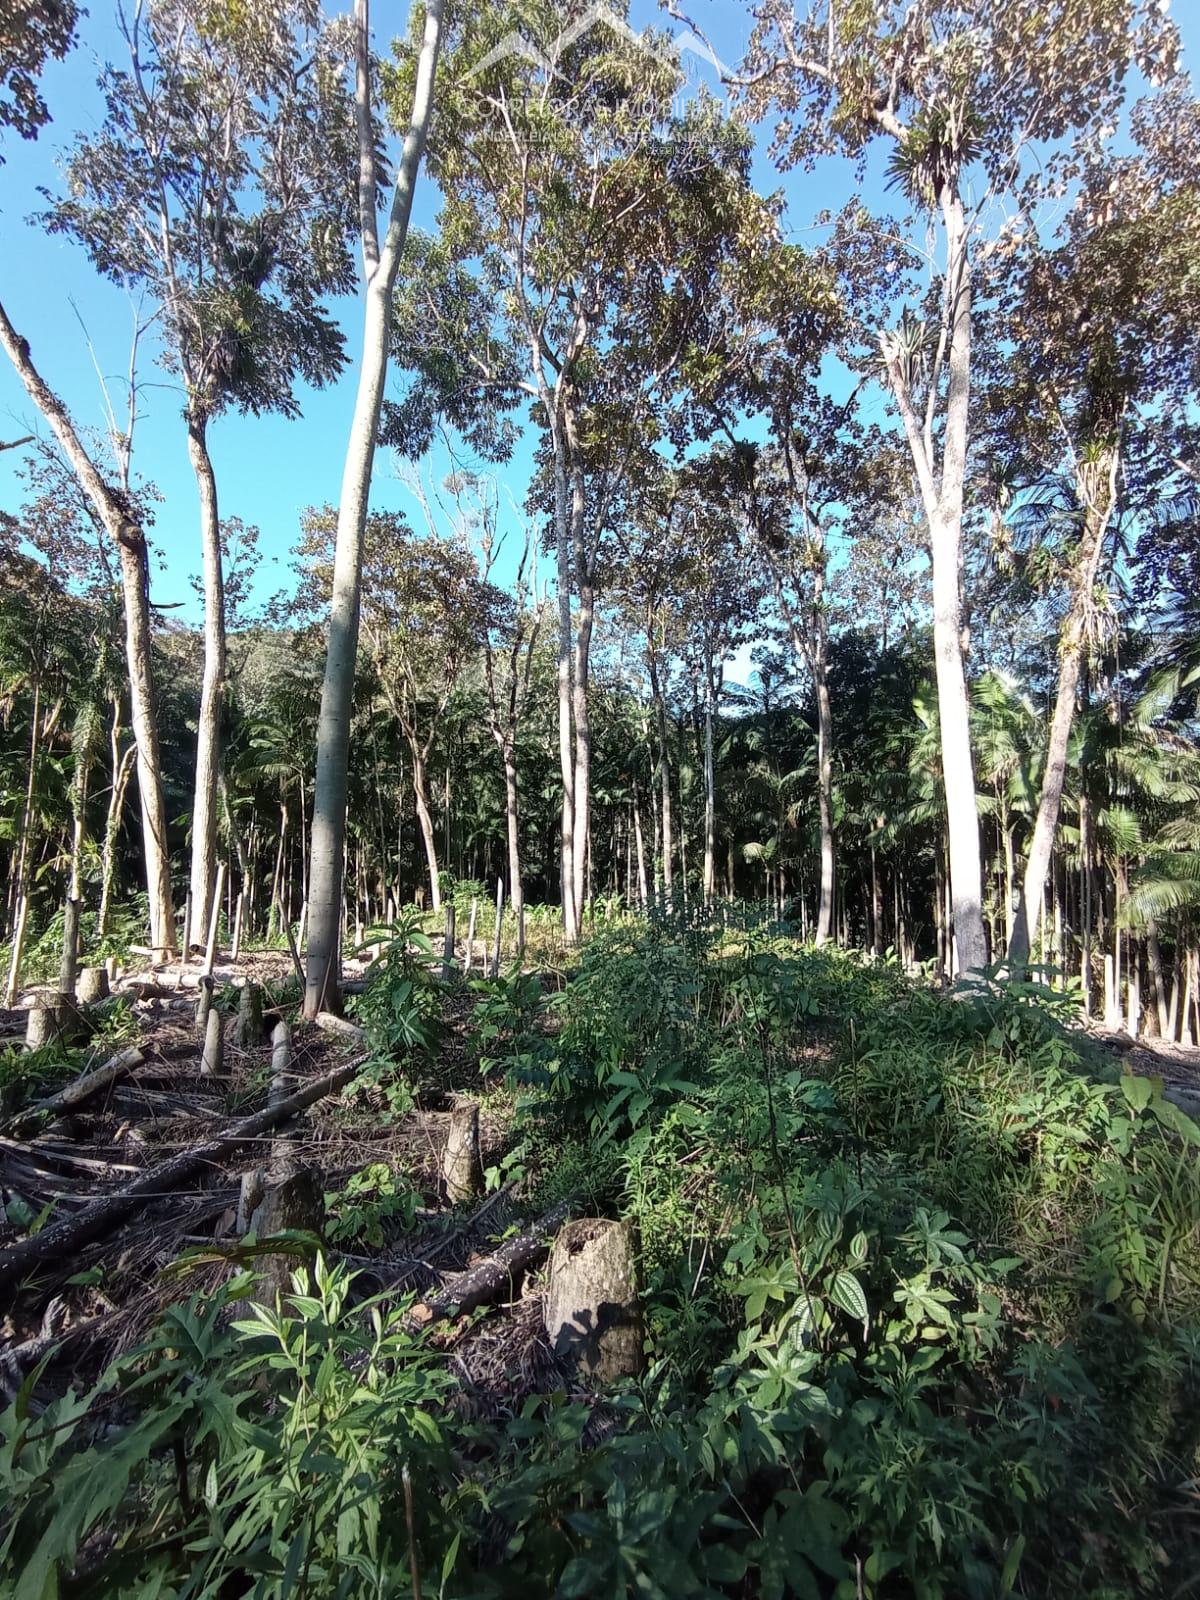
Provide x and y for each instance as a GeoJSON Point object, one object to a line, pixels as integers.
{"type": "Point", "coordinates": [1177, 1064]}
{"type": "Point", "coordinates": [102, 1299]}
{"type": "Point", "coordinates": [873, 1226]}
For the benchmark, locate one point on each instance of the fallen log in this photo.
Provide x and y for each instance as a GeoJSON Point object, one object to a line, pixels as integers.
{"type": "Point", "coordinates": [151, 989]}
{"type": "Point", "coordinates": [81, 1090]}
{"type": "Point", "coordinates": [60, 1239]}
{"type": "Point", "coordinates": [488, 1278]}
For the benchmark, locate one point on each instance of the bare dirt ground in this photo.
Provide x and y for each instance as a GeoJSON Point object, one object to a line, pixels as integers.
{"type": "Point", "coordinates": [1178, 1065]}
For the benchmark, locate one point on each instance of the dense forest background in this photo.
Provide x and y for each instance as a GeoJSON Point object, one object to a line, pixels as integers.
{"type": "Point", "coordinates": [856, 576]}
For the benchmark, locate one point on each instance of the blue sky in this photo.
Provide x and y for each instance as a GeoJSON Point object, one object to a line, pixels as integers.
{"type": "Point", "coordinates": [269, 469]}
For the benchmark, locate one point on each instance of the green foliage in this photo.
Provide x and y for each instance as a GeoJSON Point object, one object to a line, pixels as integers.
{"type": "Point", "coordinates": [265, 1457]}
{"type": "Point", "coordinates": [922, 1299]}
{"type": "Point", "coordinates": [399, 1008]}
{"type": "Point", "coordinates": [26, 1074]}
{"type": "Point", "coordinates": [370, 1203]}
{"type": "Point", "coordinates": [505, 1023]}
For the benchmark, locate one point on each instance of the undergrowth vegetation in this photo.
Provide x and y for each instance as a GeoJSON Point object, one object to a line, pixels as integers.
{"type": "Point", "coordinates": [921, 1285]}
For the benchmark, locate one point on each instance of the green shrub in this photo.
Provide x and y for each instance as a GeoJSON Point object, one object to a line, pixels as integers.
{"type": "Point", "coordinates": [922, 1303]}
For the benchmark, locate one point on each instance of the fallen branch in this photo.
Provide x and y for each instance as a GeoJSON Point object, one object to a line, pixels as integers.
{"type": "Point", "coordinates": [81, 1090]}
{"type": "Point", "coordinates": [101, 1216]}
{"type": "Point", "coordinates": [17, 1359]}
{"type": "Point", "coordinates": [484, 1282]}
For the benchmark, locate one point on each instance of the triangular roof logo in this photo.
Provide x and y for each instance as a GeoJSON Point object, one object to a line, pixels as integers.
{"type": "Point", "coordinates": [515, 43]}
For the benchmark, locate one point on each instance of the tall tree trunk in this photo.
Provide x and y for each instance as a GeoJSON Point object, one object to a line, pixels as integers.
{"type": "Point", "coordinates": [942, 496]}
{"type": "Point", "coordinates": [212, 684]}
{"type": "Point", "coordinates": [824, 777]}
{"type": "Point", "coordinates": [643, 886]}
{"type": "Point", "coordinates": [122, 765]}
{"type": "Point", "coordinates": [516, 890]}
{"type": "Point", "coordinates": [21, 872]}
{"type": "Point", "coordinates": [1096, 487]}
{"type": "Point", "coordinates": [79, 800]}
{"type": "Point", "coordinates": [125, 531]}
{"type": "Point", "coordinates": [425, 818]}
{"type": "Point", "coordinates": [581, 834]}
{"type": "Point", "coordinates": [566, 740]}
{"type": "Point", "coordinates": [710, 797]}
{"type": "Point", "coordinates": [664, 777]}
{"type": "Point", "coordinates": [321, 990]}
{"type": "Point", "coordinates": [1087, 877]}
{"type": "Point", "coordinates": [958, 770]}
{"type": "Point", "coordinates": [1154, 951]}
{"type": "Point", "coordinates": [582, 820]}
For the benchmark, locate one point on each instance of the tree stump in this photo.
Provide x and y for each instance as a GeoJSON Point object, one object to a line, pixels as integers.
{"type": "Point", "coordinates": [297, 1205]}
{"type": "Point", "coordinates": [204, 1003]}
{"type": "Point", "coordinates": [462, 1160]}
{"type": "Point", "coordinates": [92, 985]}
{"type": "Point", "coordinates": [47, 1019]}
{"type": "Point", "coordinates": [592, 1315]}
{"type": "Point", "coordinates": [212, 1063]}
{"type": "Point", "coordinates": [248, 1029]}
{"type": "Point", "coordinates": [252, 1193]}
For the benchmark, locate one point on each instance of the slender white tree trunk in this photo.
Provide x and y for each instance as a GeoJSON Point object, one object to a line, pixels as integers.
{"type": "Point", "coordinates": [512, 817]}
{"type": "Point", "coordinates": [1097, 483]}
{"type": "Point", "coordinates": [710, 793]}
{"type": "Point", "coordinates": [428, 837]}
{"type": "Point", "coordinates": [958, 769]}
{"type": "Point", "coordinates": [212, 686]}
{"type": "Point", "coordinates": [126, 533]}
{"type": "Point", "coordinates": [566, 741]}
{"type": "Point", "coordinates": [942, 495]}
{"type": "Point", "coordinates": [664, 775]}
{"type": "Point", "coordinates": [643, 886]}
{"type": "Point", "coordinates": [824, 781]}
{"type": "Point", "coordinates": [581, 831]}
{"type": "Point", "coordinates": [122, 766]}
{"type": "Point", "coordinates": [337, 692]}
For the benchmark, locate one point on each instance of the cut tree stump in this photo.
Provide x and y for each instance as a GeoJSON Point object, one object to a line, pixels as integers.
{"type": "Point", "coordinates": [248, 1029]}
{"type": "Point", "coordinates": [92, 985]}
{"type": "Point", "coordinates": [296, 1205]}
{"type": "Point", "coordinates": [212, 1064]}
{"type": "Point", "coordinates": [54, 1017]}
{"type": "Point", "coordinates": [45, 1024]}
{"type": "Point", "coordinates": [462, 1159]}
{"type": "Point", "coordinates": [592, 1314]}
